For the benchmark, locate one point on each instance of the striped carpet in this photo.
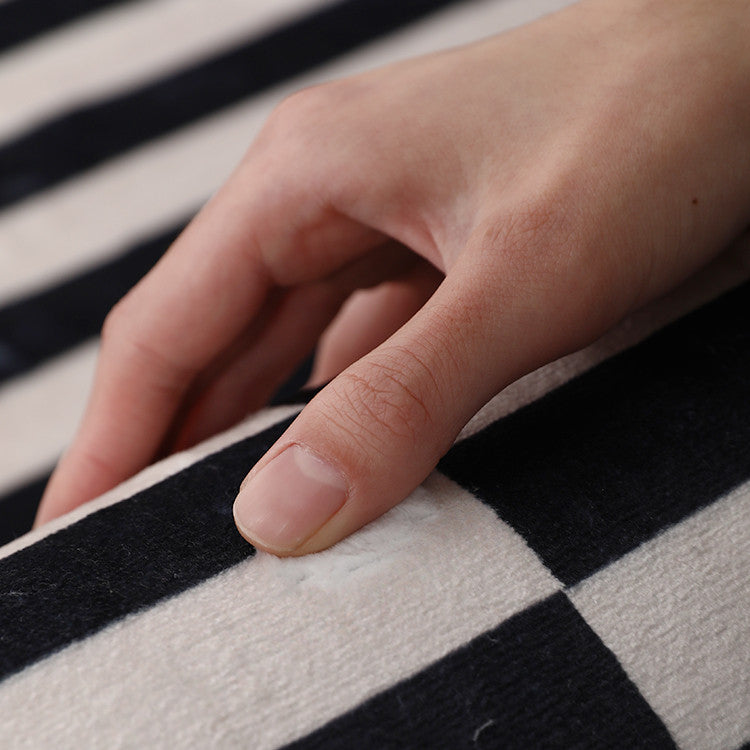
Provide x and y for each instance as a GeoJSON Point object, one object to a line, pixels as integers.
{"type": "Point", "coordinates": [575, 573]}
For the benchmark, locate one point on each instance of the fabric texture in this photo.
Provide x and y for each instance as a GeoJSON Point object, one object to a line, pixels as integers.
{"type": "Point", "coordinates": [575, 573]}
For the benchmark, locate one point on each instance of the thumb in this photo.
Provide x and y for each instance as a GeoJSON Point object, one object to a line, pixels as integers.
{"type": "Point", "coordinates": [375, 432]}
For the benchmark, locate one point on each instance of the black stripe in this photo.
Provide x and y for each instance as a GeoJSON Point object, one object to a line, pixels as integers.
{"type": "Point", "coordinates": [18, 508]}
{"type": "Point", "coordinates": [541, 679]}
{"type": "Point", "coordinates": [156, 544]}
{"type": "Point", "coordinates": [88, 135]}
{"type": "Point", "coordinates": [22, 20]}
{"type": "Point", "coordinates": [49, 322]}
{"type": "Point", "coordinates": [607, 461]}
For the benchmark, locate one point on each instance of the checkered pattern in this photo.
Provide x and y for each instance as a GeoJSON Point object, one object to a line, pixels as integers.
{"type": "Point", "coordinates": [576, 572]}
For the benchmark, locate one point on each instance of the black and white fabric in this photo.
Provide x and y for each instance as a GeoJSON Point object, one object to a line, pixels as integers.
{"type": "Point", "coordinates": [575, 573]}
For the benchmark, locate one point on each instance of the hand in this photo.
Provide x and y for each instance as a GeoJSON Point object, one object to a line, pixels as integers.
{"type": "Point", "coordinates": [519, 196]}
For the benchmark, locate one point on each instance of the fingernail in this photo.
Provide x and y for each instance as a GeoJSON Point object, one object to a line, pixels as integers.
{"type": "Point", "coordinates": [289, 499]}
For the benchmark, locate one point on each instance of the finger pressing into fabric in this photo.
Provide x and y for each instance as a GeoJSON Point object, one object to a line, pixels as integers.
{"type": "Point", "coordinates": [511, 302]}
{"type": "Point", "coordinates": [369, 317]}
{"type": "Point", "coordinates": [376, 431]}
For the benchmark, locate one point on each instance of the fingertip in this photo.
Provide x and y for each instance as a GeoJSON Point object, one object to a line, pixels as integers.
{"type": "Point", "coordinates": [289, 500]}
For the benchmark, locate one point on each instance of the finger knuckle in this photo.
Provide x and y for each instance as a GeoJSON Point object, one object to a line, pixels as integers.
{"type": "Point", "coordinates": [126, 339]}
{"type": "Point", "coordinates": [538, 233]}
{"type": "Point", "coordinates": [301, 120]}
{"type": "Point", "coordinates": [294, 108]}
{"type": "Point", "coordinates": [549, 244]}
{"type": "Point", "coordinates": [383, 406]}
{"type": "Point", "coordinates": [115, 322]}
{"type": "Point", "coordinates": [121, 330]}
{"type": "Point", "coordinates": [557, 259]}
{"type": "Point", "coordinates": [97, 462]}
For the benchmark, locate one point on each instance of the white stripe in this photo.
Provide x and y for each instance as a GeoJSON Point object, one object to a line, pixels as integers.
{"type": "Point", "coordinates": [676, 613]}
{"type": "Point", "coordinates": [91, 217]}
{"type": "Point", "coordinates": [38, 414]}
{"type": "Point", "coordinates": [123, 47]}
{"type": "Point", "coordinates": [273, 648]}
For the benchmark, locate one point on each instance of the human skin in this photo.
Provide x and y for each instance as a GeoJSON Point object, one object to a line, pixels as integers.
{"type": "Point", "coordinates": [519, 196]}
